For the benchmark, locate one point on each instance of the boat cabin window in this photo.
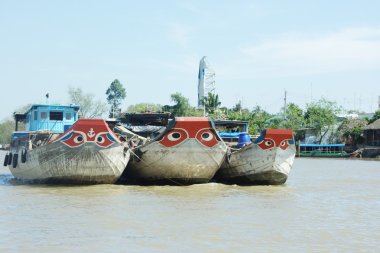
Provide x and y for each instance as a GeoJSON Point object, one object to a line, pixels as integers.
{"type": "Point", "coordinates": [68, 116]}
{"type": "Point", "coordinates": [35, 115]}
{"type": "Point", "coordinates": [56, 115]}
{"type": "Point", "coordinates": [43, 115]}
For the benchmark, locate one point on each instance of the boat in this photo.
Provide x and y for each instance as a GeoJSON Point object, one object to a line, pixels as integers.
{"type": "Point", "coordinates": [57, 147]}
{"type": "Point", "coordinates": [255, 160]}
{"type": "Point", "coordinates": [333, 150]}
{"type": "Point", "coordinates": [178, 151]}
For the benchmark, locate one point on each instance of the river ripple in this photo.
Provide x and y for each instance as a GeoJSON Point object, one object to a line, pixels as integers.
{"type": "Point", "coordinates": [327, 205]}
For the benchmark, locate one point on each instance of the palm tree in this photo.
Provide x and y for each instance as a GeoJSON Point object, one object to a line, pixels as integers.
{"type": "Point", "coordinates": [211, 102]}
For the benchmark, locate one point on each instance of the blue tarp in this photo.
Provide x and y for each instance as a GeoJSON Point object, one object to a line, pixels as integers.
{"type": "Point", "coordinates": [231, 135]}
{"type": "Point", "coordinates": [16, 135]}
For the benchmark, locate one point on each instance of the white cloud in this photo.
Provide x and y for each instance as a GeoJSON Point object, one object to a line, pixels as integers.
{"type": "Point", "coordinates": [299, 54]}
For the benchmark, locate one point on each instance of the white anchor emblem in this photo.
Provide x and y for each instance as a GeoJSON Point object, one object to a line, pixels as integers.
{"type": "Point", "coordinates": [91, 133]}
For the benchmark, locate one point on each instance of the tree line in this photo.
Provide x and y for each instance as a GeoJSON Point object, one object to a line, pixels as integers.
{"type": "Point", "coordinates": [321, 115]}
{"type": "Point", "coordinates": [89, 106]}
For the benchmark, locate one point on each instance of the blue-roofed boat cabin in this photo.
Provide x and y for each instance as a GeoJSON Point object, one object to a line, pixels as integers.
{"type": "Point", "coordinates": [44, 117]}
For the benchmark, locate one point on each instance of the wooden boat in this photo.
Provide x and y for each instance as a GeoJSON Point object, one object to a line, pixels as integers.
{"type": "Point", "coordinates": [265, 161]}
{"type": "Point", "coordinates": [186, 151]}
{"type": "Point", "coordinates": [88, 152]}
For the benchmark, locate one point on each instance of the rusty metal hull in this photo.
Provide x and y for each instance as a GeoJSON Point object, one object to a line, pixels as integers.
{"type": "Point", "coordinates": [88, 153]}
{"type": "Point", "coordinates": [189, 163]}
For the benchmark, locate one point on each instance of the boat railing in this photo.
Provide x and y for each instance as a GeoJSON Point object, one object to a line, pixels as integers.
{"type": "Point", "coordinates": [321, 148]}
{"type": "Point", "coordinates": [52, 126]}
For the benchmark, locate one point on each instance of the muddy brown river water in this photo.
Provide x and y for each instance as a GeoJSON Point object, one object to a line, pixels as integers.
{"type": "Point", "coordinates": [327, 205]}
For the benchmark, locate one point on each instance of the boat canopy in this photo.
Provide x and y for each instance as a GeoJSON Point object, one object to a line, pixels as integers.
{"type": "Point", "coordinates": [231, 128]}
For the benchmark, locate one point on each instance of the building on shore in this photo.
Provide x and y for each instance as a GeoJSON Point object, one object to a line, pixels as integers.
{"type": "Point", "coordinates": [372, 134]}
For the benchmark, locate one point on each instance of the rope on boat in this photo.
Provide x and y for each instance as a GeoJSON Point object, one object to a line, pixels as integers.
{"type": "Point", "coordinates": [133, 153]}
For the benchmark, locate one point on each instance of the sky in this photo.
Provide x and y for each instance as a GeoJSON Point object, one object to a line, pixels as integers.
{"type": "Point", "coordinates": [258, 49]}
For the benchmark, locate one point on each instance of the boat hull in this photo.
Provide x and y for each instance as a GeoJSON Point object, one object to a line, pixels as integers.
{"type": "Point", "coordinates": [255, 165]}
{"type": "Point", "coordinates": [62, 162]}
{"type": "Point", "coordinates": [188, 163]}
{"type": "Point", "coordinates": [189, 153]}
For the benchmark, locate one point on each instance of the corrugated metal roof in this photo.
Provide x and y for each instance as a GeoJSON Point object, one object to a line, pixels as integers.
{"type": "Point", "coordinates": [374, 126]}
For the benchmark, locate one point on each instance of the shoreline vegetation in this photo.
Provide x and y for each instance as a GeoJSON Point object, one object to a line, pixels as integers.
{"type": "Point", "coordinates": [326, 120]}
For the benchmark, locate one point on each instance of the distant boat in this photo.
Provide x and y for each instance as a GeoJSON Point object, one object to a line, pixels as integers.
{"type": "Point", "coordinates": [266, 160]}
{"type": "Point", "coordinates": [182, 151]}
{"type": "Point", "coordinates": [322, 150]}
{"type": "Point", "coordinates": [59, 148]}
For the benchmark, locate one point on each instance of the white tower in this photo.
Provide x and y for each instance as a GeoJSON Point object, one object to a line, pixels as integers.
{"type": "Point", "coordinates": [206, 81]}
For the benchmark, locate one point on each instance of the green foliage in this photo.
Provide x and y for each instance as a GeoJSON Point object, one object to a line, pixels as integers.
{"type": "Point", "coordinates": [89, 108]}
{"type": "Point", "coordinates": [194, 112]}
{"type": "Point", "coordinates": [182, 106]}
{"type": "Point", "coordinates": [6, 129]}
{"type": "Point", "coordinates": [375, 117]}
{"type": "Point", "coordinates": [294, 117]}
{"type": "Point", "coordinates": [352, 129]}
{"type": "Point", "coordinates": [144, 107]}
{"type": "Point", "coordinates": [211, 103]}
{"type": "Point", "coordinates": [115, 95]}
{"type": "Point", "coordinates": [237, 107]}
{"type": "Point", "coordinates": [275, 122]}
{"type": "Point", "coordinates": [259, 120]}
{"type": "Point", "coordinates": [244, 114]}
{"type": "Point", "coordinates": [321, 116]}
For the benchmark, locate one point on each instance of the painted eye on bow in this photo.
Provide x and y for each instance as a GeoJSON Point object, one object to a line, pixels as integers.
{"type": "Point", "coordinates": [174, 137]}
{"type": "Point", "coordinates": [100, 139]}
{"type": "Point", "coordinates": [207, 137]}
{"type": "Point", "coordinates": [266, 144]}
{"type": "Point", "coordinates": [284, 144]}
{"type": "Point", "coordinates": [78, 139]}
{"type": "Point", "coordinates": [104, 140]}
{"type": "Point", "coordinates": [74, 139]}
